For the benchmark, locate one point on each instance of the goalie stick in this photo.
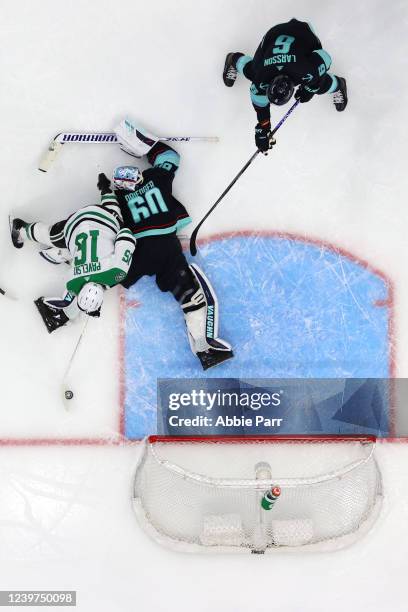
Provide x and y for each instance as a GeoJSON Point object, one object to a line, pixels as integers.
{"type": "Point", "coordinates": [101, 138]}
{"type": "Point", "coordinates": [193, 239]}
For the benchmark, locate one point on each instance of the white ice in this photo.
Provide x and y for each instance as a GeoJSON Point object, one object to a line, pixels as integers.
{"type": "Point", "coordinates": [65, 515]}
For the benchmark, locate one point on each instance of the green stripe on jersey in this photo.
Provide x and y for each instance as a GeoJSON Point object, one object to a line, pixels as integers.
{"type": "Point", "coordinates": [109, 278]}
{"type": "Point", "coordinates": [109, 197]}
{"type": "Point", "coordinates": [125, 232]}
{"type": "Point", "coordinates": [113, 224]}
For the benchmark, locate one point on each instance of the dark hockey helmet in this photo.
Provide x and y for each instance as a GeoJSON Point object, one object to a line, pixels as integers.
{"type": "Point", "coordinates": [280, 90]}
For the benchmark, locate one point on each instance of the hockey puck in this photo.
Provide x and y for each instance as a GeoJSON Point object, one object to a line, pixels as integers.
{"type": "Point", "coordinates": [69, 395]}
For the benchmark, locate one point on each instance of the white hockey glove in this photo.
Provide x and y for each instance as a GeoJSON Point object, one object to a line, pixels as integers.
{"type": "Point", "coordinates": [134, 139]}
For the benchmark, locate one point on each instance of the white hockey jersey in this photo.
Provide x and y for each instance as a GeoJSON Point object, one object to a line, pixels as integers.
{"type": "Point", "coordinates": [101, 251]}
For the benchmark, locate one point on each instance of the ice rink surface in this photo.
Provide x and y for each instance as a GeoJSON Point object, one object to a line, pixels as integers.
{"type": "Point", "coordinates": [65, 515]}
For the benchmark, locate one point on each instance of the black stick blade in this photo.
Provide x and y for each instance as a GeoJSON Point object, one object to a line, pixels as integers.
{"type": "Point", "coordinates": [193, 244]}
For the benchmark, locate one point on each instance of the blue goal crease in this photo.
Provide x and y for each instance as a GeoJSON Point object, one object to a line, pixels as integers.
{"type": "Point", "coordinates": [290, 309]}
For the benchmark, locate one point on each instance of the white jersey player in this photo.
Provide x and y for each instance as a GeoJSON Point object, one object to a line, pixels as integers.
{"type": "Point", "coordinates": [97, 248]}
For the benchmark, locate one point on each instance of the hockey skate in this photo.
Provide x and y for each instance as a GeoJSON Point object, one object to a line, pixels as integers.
{"type": "Point", "coordinates": [53, 317]}
{"type": "Point", "coordinates": [340, 96]}
{"type": "Point", "coordinates": [15, 226]}
{"type": "Point", "coordinates": [230, 73]}
{"type": "Point", "coordinates": [213, 357]}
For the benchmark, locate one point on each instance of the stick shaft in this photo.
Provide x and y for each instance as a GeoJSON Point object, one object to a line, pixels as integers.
{"type": "Point", "coordinates": [111, 138]}
{"type": "Point", "coordinates": [101, 138]}
{"type": "Point", "coordinates": [285, 116]}
{"type": "Point", "coordinates": [75, 351]}
{"type": "Point", "coordinates": [193, 239]}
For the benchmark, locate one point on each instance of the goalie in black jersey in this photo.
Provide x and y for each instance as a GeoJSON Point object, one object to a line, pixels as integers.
{"type": "Point", "coordinates": [154, 216]}
{"type": "Point", "coordinates": [290, 55]}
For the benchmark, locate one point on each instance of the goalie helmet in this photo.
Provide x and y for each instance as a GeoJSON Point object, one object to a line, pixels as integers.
{"type": "Point", "coordinates": [90, 298]}
{"type": "Point", "coordinates": [127, 177]}
{"type": "Point", "coordinates": [280, 90]}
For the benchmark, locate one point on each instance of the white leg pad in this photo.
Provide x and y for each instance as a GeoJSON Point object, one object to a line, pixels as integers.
{"type": "Point", "coordinates": [202, 316]}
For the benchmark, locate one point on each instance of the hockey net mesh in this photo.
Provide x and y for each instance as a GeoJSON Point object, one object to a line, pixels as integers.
{"type": "Point", "coordinates": [205, 494]}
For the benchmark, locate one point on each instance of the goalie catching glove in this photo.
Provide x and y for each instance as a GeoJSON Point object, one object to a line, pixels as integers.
{"type": "Point", "coordinates": [133, 139]}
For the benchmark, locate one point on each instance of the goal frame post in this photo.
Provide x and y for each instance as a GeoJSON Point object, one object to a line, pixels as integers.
{"type": "Point", "coordinates": [353, 485]}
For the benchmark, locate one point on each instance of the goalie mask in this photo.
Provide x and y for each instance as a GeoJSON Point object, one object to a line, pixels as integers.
{"type": "Point", "coordinates": [280, 90]}
{"type": "Point", "coordinates": [90, 298]}
{"type": "Point", "coordinates": [127, 177]}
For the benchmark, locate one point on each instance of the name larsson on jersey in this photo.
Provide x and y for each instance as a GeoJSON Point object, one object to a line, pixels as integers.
{"type": "Point", "coordinates": [282, 58]}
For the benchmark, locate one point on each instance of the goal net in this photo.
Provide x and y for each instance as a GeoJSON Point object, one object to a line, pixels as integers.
{"type": "Point", "coordinates": [257, 494]}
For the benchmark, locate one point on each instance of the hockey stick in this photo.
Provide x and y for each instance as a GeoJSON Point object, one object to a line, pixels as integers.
{"type": "Point", "coordinates": [102, 138]}
{"type": "Point", "coordinates": [193, 239]}
{"type": "Point", "coordinates": [7, 294]}
{"type": "Point", "coordinates": [68, 393]}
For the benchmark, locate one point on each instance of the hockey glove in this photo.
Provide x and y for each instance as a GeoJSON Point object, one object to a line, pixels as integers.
{"type": "Point", "coordinates": [103, 184]}
{"type": "Point", "coordinates": [303, 95]}
{"type": "Point", "coordinates": [263, 136]}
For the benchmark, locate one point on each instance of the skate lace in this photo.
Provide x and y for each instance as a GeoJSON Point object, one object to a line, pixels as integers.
{"type": "Point", "coordinates": [231, 73]}
{"type": "Point", "coordinates": [338, 97]}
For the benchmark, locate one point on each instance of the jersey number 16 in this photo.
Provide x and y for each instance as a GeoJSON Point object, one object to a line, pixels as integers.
{"type": "Point", "coordinates": [81, 243]}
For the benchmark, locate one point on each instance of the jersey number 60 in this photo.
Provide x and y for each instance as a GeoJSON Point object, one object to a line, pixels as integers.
{"type": "Point", "coordinates": [150, 203]}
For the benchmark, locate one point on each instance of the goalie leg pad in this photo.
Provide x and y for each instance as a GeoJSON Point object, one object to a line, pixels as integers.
{"type": "Point", "coordinates": [201, 317]}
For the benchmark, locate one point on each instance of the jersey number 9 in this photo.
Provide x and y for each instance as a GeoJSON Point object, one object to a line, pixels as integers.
{"type": "Point", "coordinates": [283, 43]}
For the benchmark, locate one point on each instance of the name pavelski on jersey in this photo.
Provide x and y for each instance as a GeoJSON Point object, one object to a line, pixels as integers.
{"type": "Point", "coordinates": [87, 268]}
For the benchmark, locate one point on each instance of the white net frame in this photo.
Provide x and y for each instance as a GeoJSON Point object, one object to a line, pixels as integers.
{"type": "Point", "coordinates": [204, 494]}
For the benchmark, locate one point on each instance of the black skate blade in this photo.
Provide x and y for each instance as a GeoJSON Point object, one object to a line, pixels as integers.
{"type": "Point", "coordinates": [211, 358]}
